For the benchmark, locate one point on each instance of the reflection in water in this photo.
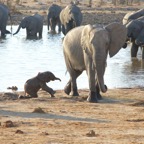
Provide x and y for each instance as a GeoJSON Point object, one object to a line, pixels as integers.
{"type": "Point", "coordinates": [21, 59]}
{"type": "Point", "coordinates": [136, 66]}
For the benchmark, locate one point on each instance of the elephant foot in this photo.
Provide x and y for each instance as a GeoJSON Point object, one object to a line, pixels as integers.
{"type": "Point", "coordinates": [74, 93]}
{"type": "Point", "coordinates": [52, 94]}
{"type": "Point", "coordinates": [67, 89]}
{"type": "Point", "coordinates": [24, 97]}
{"type": "Point", "coordinates": [99, 96]}
{"type": "Point", "coordinates": [92, 97]}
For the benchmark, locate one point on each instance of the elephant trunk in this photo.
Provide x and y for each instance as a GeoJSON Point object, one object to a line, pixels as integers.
{"type": "Point", "coordinates": [100, 69]}
{"type": "Point", "coordinates": [57, 79]}
{"type": "Point", "coordinates": [18, 29]}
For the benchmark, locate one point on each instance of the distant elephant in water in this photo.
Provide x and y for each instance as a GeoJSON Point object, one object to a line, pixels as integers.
{"type": "Point", "coordinates": [132, 16]}
{"type": "Point", "coordinates": [70, 17]}
{"type": "Point", "coordinates": [53, 18]}
{"type": "Point", "coordinates": [4, 13]}
{"type": "Point", "coordinates": [33, 25]}
{"type": "Point", "coordinates": [86, 48]}
{"type": "Point", "coordinates": [135, 33]}
{"type": "Point", "coordinates": [33, 85]}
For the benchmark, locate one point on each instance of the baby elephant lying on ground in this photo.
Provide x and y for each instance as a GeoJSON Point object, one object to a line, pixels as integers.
{"type": "Point", "coordinates": [33, 85]}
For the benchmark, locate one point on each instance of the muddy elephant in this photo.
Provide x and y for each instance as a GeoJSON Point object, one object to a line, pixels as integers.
{"type": "Point", "coordinates": [86, 48]}
{"type": "Point", "coordinates": [33, 25]}
{"type": "Point", "coordinates": [4, 14]}
{"type": "Point", "coordinates": [70, 17]}
{"type": "Point", "coordinates": [33, 85]}
{"type": "Point", "coordinates": [53, 18]}
{"type": "Point", "coordinates": [132, 16]}
{"type": "Point", "coordinates": [135, 33]}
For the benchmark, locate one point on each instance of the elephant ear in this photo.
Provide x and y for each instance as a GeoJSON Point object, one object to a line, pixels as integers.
{"type": "Point", "coordinates": [85, 37]}
{"type": "Point", "coordinates": [118, 35]}
{"type": "Point", "coordinates": [41, 76]}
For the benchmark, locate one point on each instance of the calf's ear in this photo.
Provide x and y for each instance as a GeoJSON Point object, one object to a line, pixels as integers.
{"type": "Point", "coordinates": [41, 76]}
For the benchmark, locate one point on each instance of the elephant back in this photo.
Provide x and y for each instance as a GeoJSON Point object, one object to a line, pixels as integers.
{"type": "Point", "coordinates": [71, 12]}
{"type": "Point", "coordinates": [132, 16]}
{"type": "Point", "coordinates": [39, 20]}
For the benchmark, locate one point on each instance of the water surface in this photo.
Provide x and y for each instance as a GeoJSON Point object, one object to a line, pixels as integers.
{"type": "Point", "coordinates": [21, 59]}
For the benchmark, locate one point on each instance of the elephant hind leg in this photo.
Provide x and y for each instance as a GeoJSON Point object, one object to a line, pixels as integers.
{"type": "Point", "coordinates": [71, 86]}
{"type": "Point", "coordinates": [29, 91]}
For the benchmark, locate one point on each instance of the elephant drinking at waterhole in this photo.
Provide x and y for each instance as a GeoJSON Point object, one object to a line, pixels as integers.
{"type": "Point", "coordinates": [86, 48]}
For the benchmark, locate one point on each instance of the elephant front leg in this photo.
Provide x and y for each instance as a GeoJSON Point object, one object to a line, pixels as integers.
{"type": "Point", "coordinates": [134, 50]}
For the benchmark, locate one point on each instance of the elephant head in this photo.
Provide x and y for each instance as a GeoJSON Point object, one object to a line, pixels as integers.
{"type": "Point", "coordinates": [134, 28]}
{"type": "Point", "coordinates": [98, 42]}
{"type": "Point", "coordinates": [25, 23]}
{"type": "Point", "coordinates": [47, 76]}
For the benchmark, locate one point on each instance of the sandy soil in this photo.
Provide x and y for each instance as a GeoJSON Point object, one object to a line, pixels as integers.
{"type": "Point", "coordinates": [117, 119]}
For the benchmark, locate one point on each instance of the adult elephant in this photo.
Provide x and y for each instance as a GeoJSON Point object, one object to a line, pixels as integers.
{"type": "Point", "coordinates": [70, 17]}
{"type": "Point", "coordinates": [132, 16]}
{"type": "Point", "coordinates": [86, 48]}
{"type": "Point", "coordinates": [33, 25]}
{"type": "Point", "coordinates": [53, 18]}
{"type": "Point", "coordinates": [135, 33]}
{"type": "Point", "coordinates": [4, 14]}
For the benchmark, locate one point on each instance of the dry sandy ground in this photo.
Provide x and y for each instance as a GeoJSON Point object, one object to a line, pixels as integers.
{"type": "Point", "coordinates": [117, 119]}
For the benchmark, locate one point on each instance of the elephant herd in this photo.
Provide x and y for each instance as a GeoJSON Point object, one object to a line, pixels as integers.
{"type": "Point", "coordinates": [66, 19]}
{"type": "Point", "coordinates": [134, 22]}
{"type": "Point", "coordinates": [84, 47]}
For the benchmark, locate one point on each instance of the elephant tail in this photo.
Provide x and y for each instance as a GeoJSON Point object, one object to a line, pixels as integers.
{"type": "Point", "coordinates": [17, 30]}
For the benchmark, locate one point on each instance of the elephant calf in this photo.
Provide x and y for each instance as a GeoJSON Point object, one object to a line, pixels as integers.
{"type": "Point", "coordinates": [33, 85]}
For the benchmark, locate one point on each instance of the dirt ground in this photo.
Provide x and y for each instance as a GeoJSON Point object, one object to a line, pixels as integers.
{"type": "Point", "coordinates": [117, 119]}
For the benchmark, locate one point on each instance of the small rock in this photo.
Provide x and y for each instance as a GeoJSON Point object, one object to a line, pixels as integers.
{"type": "Point", "coordinates": [38, 110]}
{"type": "Point", "coordinates": [91, 133]}
{"type": "Point", "coordinates": [19, 132]}
{"type": "Point", "coordinates": [8, 124]}
{"type": "Point", "coordinates": [14, 88]}
{"type": "Point", "coordinates": [44, 133]}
